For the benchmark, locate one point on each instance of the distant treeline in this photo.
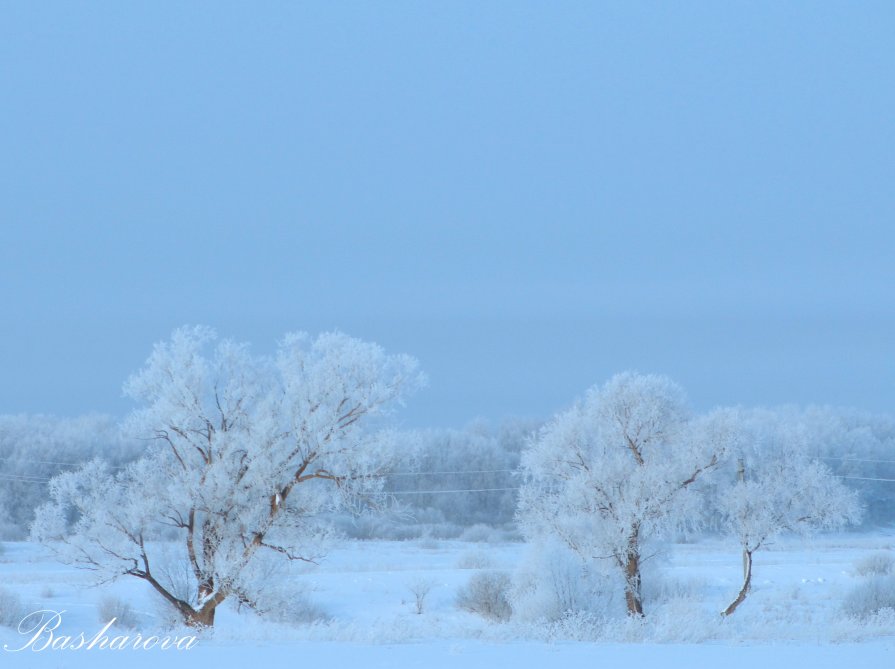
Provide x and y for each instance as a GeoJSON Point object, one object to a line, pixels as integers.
{"type": "Point", "coordinates": [451, 480]}
{"type": "Point", "coordinates": [34, 448]}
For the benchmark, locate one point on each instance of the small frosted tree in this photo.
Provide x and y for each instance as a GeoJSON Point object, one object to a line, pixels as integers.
{"type": "Point", "coordinates": [245, 453]}
{"type": "Point", "coordinates": [616, 470]}
{"type": "Point", "coordinates": [779, 488]}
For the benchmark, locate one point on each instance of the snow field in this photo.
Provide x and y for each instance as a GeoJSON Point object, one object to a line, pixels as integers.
{"type": "Point", "coordinates": [365, 593]}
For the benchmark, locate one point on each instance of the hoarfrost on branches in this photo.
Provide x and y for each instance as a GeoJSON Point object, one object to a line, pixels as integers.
{"type": "Point", "coordinates": [779, 487]}
{"type": "Point", "coordinates": [246, 452]}
{"type": "Point", "coordinates": [615, 471]}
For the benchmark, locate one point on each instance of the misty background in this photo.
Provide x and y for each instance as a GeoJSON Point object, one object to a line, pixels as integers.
{"type": "Point", "coordinates": [526, 197]}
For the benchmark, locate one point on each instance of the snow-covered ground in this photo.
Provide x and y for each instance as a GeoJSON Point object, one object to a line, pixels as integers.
{"type": "Point", "coordinates": [365, 592]}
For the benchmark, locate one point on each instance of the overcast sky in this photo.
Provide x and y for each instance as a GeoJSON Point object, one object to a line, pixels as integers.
{"type": "Point", "coordinates": [526, 197]}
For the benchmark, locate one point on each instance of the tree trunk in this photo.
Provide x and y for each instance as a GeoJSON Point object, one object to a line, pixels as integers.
{"type": "Point", "coordinates": [633, 597]}
{"type": "Point", "coordinates": [210, 598]}
{"type": "Point", "coordinates": [204, 617]}
{"type": "Point", "coordinates": [747, 583]}
{"type": "Point", "coordinates": [632, 584]}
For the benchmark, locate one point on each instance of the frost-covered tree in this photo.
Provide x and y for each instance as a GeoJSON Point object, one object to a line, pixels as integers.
{"type": "Point", "coordinates": [615, 471]}
{"type": "Point", "coordinates": [779, 488]}
{"type": "Point", "coordinates": [246, 451]}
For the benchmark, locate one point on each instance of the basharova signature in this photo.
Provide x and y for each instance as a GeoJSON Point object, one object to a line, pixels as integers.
{"type": "Point", "coordinates": [41, 629]}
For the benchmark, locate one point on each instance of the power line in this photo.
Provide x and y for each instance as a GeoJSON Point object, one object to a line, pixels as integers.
{"type": "Point", "coordinates": [438, 492]}
{"type": "Point", "coordinates": [385, 474]}
{"type": "Point", "coordinates": [865, 478]}
{"type": "Point", "coordinates": [26, 479]}
{"type": "Point", "coordinates": [27, 476]}
{"type": "Point", "coordinates": [406, 473]}
{"type": "Point", "coordinates": [52, 462]}
{"type": "Point", "coordinates": [468, 471]}
{"type": "Point", "coordinates": [891, 462]}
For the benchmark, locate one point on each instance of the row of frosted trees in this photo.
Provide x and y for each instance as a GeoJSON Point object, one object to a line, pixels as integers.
{"type": "Point", "coordinates": [248, 457]}
{"type": "Point", "coordinates": [629, 465]}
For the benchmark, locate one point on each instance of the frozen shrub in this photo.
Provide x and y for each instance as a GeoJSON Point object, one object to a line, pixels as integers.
{"type": "Point", "coordinates": [116, 608]}
{"type": "Point", "coordinates": [276, 595]}
{"type": "Point", "coordinates": [442, 531]}
{"type": "Point", "coordinates": [12, 610]}
{"type": "Point", "coordinates": [487, 593]}
{"type": "Point", "coordinates": [474, 560]}
{"type": "Point", "coordinates": [683, 619]}
{"type": "Point", "coordinates": [420, 589]}
{"type": "Point", "coordinates": [575, 626]}
{"type": "Point", "coordinates": [478, 533]}
{"type": "Point", "coordinates": [665, 586]}
{"type": "Point", "coordinates": [553, 582]}
{"type": "Point", "coordinates": [868, 598]}
{"type": "Point", "coordinates": [429, 543]}
{"type": "Point", "coordinates": [293, 607]}
{"type": "Point", "coordinates": [875, 564]}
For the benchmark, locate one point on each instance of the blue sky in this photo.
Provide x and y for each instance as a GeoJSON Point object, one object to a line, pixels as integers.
{"type": "Point", "coordinates": [528, 197]}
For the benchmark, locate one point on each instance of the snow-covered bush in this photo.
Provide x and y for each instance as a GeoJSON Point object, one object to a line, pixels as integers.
{"type": "Point", "coordinates": [880, 563]}
{"type": "Point", "coordinates": [478, 533]}
{"type": "Point", "coordinates": [12, 609]}
{"type": "Point", "coordinates": [487, 594]}
{"type": "Point", "coordinates": [111, 607]}
{"type": "Point", "coordinates": [553, 582]}
{"type": "Point", "coordinates": [290, 604]}
{"type": "Point", "coordinates": [870, 596]}
{"type": "Point", "coordinates": [475, 560]}
{"type": "Point", "coordinates": [665, 586]}
{"type": "Point", "coordinates": [420, 588]}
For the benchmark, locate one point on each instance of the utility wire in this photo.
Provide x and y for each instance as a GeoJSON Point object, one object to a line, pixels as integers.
{"type": "Point", "coordinates": [891, 462]}
{"type": "Point", "coordinates": [28, 479]}
{"type": "Point", "coordinates": [52, 462]}
{"type": "Point", "coordinates": [439, 492]}
{"type": "Point", "coordinates": [866, 478]}
{"type": "Point", "coordinates": [383, 475]}
{"type": "Point", "coordinates": [469, 471]}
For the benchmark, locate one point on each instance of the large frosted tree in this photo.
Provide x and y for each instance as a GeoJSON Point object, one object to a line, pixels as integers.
{"type": "Point", "coordinates": [615, 471]}
{"type": "Point", "coordinates": [245, 452]}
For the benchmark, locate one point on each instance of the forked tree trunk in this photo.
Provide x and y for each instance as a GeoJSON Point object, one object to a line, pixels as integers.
{"type": "Point", "coordinates": [210, 598]}
{"type": "Point", "coordinates": [192, 617]}
{"type": "Point", "coordinates": [747, 583]}
{"type": "Point", "coordinates": [204, 617]}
